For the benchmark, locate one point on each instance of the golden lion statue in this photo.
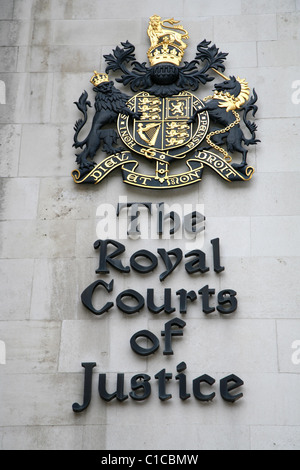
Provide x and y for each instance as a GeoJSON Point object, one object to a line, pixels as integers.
{"type": "Point", "coordinates": [158, 31]}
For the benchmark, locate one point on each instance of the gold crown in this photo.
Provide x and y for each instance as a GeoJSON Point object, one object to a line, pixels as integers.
{"type": "Point", "coordinates": [166, 41]}
{"type": "Point", "coordinates": [98, 78]}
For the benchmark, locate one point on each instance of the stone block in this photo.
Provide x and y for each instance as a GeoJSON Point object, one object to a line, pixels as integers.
{"type": "Point", "coordinates": [10, 146]}
{"type": "Point", "coordinates": [41, 437]}
{"type": "Point", "coordinates": [62, 198]}
{"type": "Point", "coordinates": [20, 198]}
{"type": "Point", "coordinates": [84, 341]}
{"type": "Point", "coordinates": [22, 59]}
{"type": "Point", "coordinates": [42, 31]}
{"type": "Point", "coordinates": [266, 194]}
{"type": "Point", "coordinates": [288, 25]}
{"type": "Point", "coordinates": [240, 54]}
{"type": "Point", "coordinates": [282, 240]}
{"type": "Point", "coordinates": [64, 58]}
{"type": "Point", "coordinates": [47, 10]}
{"type": "Point", "coordinates": [36, 94]}
{"type": "Point", "coordinates": [239, 28]}
{"type": "Point", "coordinates": [279, 153]}
{"type": "Point", "coordinates": [278, 53]}
{"type": "Point", "coordinates": [233, 233]}
{"type": "Point", "coordinates": [46, 151]}
{"type": "Point", "coordinates": [15, 288]}
{"type": "Point", "coordinates": [196, 437]}
{"type": "Point", "coordinates": [8, 59]}
{"type": "Point", "coordinates": [7, 8]}
{"type": "Point", "coordinates": [260, 7]}
{"type": "Point", "coordinates": [31, 239]}
{"type": "Point", "coordinates": [55, 292]}
{"type": "Point", "coordinates": [277, 406]}
{"type": "Point", "coordinates": [217, 8]}
{"type": "Point", "coordinates": [97, 32]}
{"type": "Point", "coordinates": [85, 238]}
{"type": "Point", "coordinates": [23, 9]}
{"type": "Point", "coordinates": [274, 437]}
{"type": "Point", "coordinates": [33, 91]}
{"type": "Point", "coordinates": [114, 10]}
{"type": "Point", "coordinates": [273, 199]}
{"type": "Point", "coordinates": [36, 349]}
{"type": "Point", "coordinates": [94, 437]}
{"type": "Point", "coordinates": [14, 32]}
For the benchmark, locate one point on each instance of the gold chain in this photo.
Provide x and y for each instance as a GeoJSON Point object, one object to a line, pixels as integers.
{"type": "Point", "coordinates": [222, 131]}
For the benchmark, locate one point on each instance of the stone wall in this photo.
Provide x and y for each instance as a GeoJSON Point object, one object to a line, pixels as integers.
{"type": "Point", "coordinates": [49, 49]}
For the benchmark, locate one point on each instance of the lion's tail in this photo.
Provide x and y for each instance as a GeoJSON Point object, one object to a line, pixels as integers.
{"type": "Point", "coordinates": [82, 105]}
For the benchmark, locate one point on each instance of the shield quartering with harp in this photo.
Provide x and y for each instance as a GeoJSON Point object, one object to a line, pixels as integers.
{"type": "Point", "coordinates": [162, 132]}
{"type": "Point", "coordinates": [163, 123]}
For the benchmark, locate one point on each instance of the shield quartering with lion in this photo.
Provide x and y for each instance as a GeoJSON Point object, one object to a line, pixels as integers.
{"type": "Point", "coordinates": [164, 120]}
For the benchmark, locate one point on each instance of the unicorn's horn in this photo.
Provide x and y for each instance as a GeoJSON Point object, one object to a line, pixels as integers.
{"type": "Point", "coordinates": [219, 73]}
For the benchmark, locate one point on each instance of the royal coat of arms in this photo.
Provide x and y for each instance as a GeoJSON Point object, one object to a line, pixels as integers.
{"type": "Point", "coordinates": [164, 121]}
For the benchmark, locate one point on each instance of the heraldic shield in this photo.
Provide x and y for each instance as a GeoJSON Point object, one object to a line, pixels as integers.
{"type": "Point", "coordinates": [162, 133]}
{"type": "Point", "coordinates": [164, 121]}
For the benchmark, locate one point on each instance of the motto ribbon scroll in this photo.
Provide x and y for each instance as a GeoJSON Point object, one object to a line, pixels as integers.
{"type": "Point", "coordinates": [196, 164]}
